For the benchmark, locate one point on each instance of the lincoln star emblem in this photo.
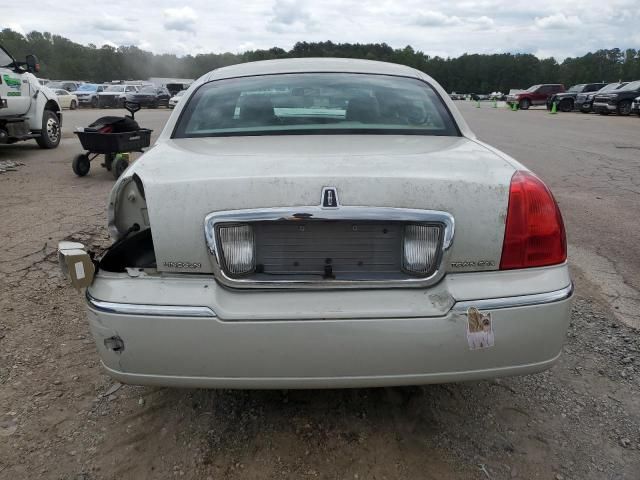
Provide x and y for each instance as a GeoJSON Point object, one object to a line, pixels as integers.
{"type": "Point", "coordinates": [329, 198]}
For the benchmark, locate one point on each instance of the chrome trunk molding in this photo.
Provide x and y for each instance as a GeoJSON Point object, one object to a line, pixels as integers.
{"type": "Point", "coordinates": [318, 213]}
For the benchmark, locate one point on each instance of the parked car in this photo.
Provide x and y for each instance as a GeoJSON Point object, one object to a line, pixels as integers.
{"type": "Point", "coordinates": [67, 85]}
{"type": "Point", "coordinates": [66, 99]}
{"type": "Point", "coordinates": [635, 106]}
{"type": "Point", "coordinates": [173, 101]}
{"type": "Point", "coordinates": [566, 102]}
{"type": "Point", "coordinates": [175, 87]}
{"type": "Point", "coordinates": [115, 95]}
{"type": "Point", "coordinates": [617, 101]}
{"type": "Point", "coordinates": [87, 94]}
{"type": "Point", "coordinates": [584, 101]}
{"type": "Point", "coordinates": [339, 226]}
{"type": "Point", "coordinates": [150, 96]}
{"type": "Point", "coordinates": [535, 95]}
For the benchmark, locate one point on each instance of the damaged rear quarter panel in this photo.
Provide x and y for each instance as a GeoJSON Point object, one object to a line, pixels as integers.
{"type": "Point", "coordinates": [127, 206]}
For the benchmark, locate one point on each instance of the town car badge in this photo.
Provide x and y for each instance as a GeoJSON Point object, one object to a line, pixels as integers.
{"type": "Point", "coordinates": [329, 198]}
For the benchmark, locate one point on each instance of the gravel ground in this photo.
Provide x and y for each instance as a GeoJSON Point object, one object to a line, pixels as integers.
{"type": "Point", "coordinates": [62, 418]}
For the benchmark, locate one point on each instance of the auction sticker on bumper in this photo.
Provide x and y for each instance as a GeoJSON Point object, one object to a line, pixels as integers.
{"type": "Point", "coordinates": [479, 329]}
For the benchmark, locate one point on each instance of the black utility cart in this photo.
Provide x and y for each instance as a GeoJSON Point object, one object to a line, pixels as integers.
{"type": "Point", "coordinates": [113, 137]}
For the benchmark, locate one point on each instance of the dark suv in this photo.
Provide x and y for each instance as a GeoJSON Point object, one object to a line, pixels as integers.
{"type": "Point", "coordinates": [617, 101]}
{"type": "Point", "coordinates": [565, 102]}
{"type": "Point", "coordinates": [535, 95]}
{"type": "Point", "coordinates": [584, 101]}
{"type": "Point", "coordinates": [150, 96]}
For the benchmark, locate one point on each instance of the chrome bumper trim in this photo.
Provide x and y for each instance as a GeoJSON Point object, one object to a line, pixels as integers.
{"type": "Point", "coordinates": [153, 310]}
{"type": "Point", "coordinates": [604, 105]}
{"type": "Point", "coordinates": [206, 312]}
{"type": "Point", "coordinates": [514, 302]}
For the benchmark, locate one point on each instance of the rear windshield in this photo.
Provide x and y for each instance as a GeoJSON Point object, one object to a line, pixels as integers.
{"type": "Point", "coordinates": [310, 103]}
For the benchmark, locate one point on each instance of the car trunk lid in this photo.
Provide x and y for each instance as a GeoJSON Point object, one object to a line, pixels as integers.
{"type": "Point", "coordinates": [187, 179]}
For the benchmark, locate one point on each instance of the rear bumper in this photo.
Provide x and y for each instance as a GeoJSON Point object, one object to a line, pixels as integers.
{"type": "Point", "coordinates": [187, 346]}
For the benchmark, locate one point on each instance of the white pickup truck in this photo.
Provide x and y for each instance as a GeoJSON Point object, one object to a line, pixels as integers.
{"type": "Point", "coordinates": [27, 109]}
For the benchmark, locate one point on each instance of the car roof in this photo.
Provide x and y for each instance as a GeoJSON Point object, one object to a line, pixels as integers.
{"type": "Point", "coordinates": [309, 65]}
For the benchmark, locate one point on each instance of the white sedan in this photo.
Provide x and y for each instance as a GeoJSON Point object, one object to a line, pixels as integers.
{"type": "Point", "coordinates": [173, 101]}
{"type": "Point", "coordinates": [66, 99]}
{"type": "Point", "coordinates": [315, 223]}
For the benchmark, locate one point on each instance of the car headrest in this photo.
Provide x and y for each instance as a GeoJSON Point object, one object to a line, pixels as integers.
{"type": "Point", "coordinates": [257, 108]}
{"type": "Point", "coordinates": [363, 109]}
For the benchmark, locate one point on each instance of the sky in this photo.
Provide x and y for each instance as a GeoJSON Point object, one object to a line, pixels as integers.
{"type": "Point", "coordinates": [546, 28]}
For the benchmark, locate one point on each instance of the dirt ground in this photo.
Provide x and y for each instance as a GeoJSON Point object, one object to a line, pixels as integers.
{"type": "Point", "coordinates": [62, 418]}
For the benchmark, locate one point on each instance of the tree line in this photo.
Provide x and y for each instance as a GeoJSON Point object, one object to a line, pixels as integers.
{"type": "Point", "coordinates": [60, 58]}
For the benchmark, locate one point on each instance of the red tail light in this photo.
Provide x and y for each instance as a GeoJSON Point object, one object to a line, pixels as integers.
{"type": "Point", "coordinates": [534, 235]}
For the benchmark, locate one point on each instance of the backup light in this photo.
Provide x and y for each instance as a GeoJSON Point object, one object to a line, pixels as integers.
{"type": "Point", "coordinates": [420, 248]}
{"type": "Point", "coordinates": [238, 248]}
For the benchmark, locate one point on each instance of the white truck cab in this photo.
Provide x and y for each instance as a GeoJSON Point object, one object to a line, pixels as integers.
{"type": "Point", "coordinates": [27, 108]}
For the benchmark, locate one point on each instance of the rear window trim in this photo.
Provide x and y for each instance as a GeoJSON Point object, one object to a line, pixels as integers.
{"type": "Point", "coordinates": [314, 132]}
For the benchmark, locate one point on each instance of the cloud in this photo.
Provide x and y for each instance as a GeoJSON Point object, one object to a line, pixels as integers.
{"type": "Point", "coordinates": [110, 24]}
{"type": "Point", "coordinates": [289, 14]}
{"type": "Point", "coordinates": [180, 19]}
{"type": "Point", "coordinates": [557, 21]}
{"type": "Point", "coordinates": [481, 23]}
{"type": "Point", "coordinates": [16, 27]}
{"type": "Point", "coordinates": [436, 19]}
{"type": "Point", "coordinates": [109, 43]}
{"type": "Point", "coordinates": [437, 27]}
{"type": "Point", "coordinates": [245, 46]}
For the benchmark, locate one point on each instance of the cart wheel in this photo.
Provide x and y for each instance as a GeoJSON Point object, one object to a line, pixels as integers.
{"type": "Point", "coordinates": [81, 164]}
{"type": "Point", "coordinates": [108, 160]}
{"type": "Point", "coordinates": [120, 164]}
